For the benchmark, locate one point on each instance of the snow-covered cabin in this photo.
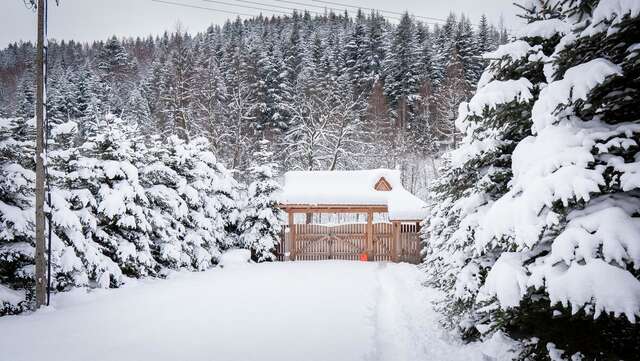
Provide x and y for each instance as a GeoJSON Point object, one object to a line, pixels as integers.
{"type": "Point", "coordinates": [358, 192]}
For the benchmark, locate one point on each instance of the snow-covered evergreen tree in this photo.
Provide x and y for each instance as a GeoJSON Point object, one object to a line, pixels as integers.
{"type": "Point", "coordinates": [84, 83]}
{"type": "Point", "coordinates": [138, 110]}
{"type": "Point", "coordinates": [262, 220]}
{"type": "Point", "coordinates": [17, 184]}
{"type": "Point", "coordinates": [26, 96]}
{"type": "Point", "coordinates": [209, 192]}
{"type": "Point", "coordinates": [76, 259]}
{"type": "Point", "coordinates": [485, 42]}
{"type": "Point", "coordinates": [356, 66]}
{"type": "Point", "coordinates": [211, 96]}
{"type": "Point", "coordinates": [573, 204]}
{"type": "Point", "coordinates": [268, 89]}
{"type": "Point", "coordinates": [61, 99]}
{"type": "Point", "coordinates": [477, 173]}
{"type": "Point", "coordinates": [534, 232]}
{"type": "Point", "coordinates": [168, 210]}
{"type": "Point", "coordinates": [115, 69]}
{"type": "Point", "coordinates": [467, 49]}
{"type": "Point", "coordinates": [452, 90]}
{"type": "Point", "coordinates": [402, 82]}
{"type": "Point", "coordinates": [178, 88]}
{"type": "Point", "coordinates": [108, 168]}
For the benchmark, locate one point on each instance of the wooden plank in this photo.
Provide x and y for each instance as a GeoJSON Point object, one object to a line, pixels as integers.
{"type": "Point", "coordinates": [369, 233]}
{"type": "Point", "coordinates": [417, 243]}
{"type": "Point", "coordinates": [394, 241]}
{"type": "Point", "coordinates": [292, 237]}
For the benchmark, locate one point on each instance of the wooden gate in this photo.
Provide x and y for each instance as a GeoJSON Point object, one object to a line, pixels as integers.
{"type": "Point", "coordinates": [390, 242]}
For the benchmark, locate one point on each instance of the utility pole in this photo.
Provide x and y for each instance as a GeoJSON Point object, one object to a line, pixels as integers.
{"type": "Point", "coordinates": [41, 286]}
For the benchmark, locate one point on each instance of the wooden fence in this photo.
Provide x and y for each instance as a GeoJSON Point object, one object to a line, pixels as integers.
{"type": "Point", "coordinates": [398, 242]}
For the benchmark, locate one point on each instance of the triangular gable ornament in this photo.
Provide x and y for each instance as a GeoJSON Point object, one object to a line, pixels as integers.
{"type": "Point", "coordinates": [382, 185]}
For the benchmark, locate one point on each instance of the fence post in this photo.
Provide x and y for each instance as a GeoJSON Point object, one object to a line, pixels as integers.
{"type": "Point", "coordinates": [369, 232]}
{"type": "Point", "coordinates": [395, 239]}
{"type": "Point", "coordinates": [292, 237]}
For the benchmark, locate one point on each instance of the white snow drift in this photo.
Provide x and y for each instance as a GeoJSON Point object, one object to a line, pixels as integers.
{"type": "Point", "coordinates": [271, 311]}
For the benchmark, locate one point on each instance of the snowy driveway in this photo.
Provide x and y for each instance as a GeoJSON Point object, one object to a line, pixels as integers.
{"type": "Point", "coordinates": [324, 311]}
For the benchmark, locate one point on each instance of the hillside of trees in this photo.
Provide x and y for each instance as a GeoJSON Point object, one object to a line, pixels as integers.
{"type": "Point", "coordinates": [329, 92]}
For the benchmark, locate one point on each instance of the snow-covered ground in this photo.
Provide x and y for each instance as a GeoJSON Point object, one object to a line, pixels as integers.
{"type": "Point", "coordinates": [331, 310]}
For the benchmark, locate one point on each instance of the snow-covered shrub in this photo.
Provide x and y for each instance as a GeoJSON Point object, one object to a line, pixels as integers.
{"type": "Point", "coordinates": [556, 255]}
{"type": "Point", "coordinates": [262, 219]}
{"type": "Point", "coordinates": [205, 208]}
{"type": "Point", "coordinates": [167, 211]}
{"type": "Point", "coordinates": [77, 259]}
{"type": "Point", "coordinates": [17, 184]}
{"type": "Point", "coordinates": [194, 203]}
{"type": "Point", "coordinates": [107, 169]}
{"type": "Point", "coordinates": [68, 268]}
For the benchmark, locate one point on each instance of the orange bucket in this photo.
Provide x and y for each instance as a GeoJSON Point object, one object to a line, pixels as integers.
{"type": "Point", "coordinates": [364, 257]}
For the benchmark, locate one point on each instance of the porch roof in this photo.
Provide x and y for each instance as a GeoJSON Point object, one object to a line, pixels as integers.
{"type": "Point", "coordinates": [353, 189]}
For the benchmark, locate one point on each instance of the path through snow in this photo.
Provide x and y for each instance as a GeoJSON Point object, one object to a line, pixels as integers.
{"type": "Point", "coordinates": [324, 311]}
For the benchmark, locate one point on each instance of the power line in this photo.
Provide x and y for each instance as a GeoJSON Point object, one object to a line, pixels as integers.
{"type": "Point", "coordinates": [278, 6]}
{"type": "Point", "coordinates": [315, 6]}
{"type": "Point", "coordinates": [299, 9]}
{"type": "Point", "coordinates": [389, 12]}
{"type": "Point", "coordinates": [245, 6]}
{"type": "Point", "coordinates": [303, 4]}
{"type": "Point", "coordinates": [372, 9]}
{"type": "Point", "coordinates": [202, 8]}
{"type": "Point", "coordinates": [327, 8]}
{"type": "Point", "coordinates": [292, 8]}
{"type": "Point", "coordinates": [268, 9]}
{"type": "Point", "coordinates": [380, 11]}
{"type": "Point", "coordinates": [166, 2]}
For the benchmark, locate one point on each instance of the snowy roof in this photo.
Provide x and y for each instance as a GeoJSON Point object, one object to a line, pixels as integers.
{"type": "Point", "coordinates": [356, 187]}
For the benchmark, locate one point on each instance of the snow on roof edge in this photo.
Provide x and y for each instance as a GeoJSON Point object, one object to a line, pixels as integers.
{"type": "Point", "coordinates": [354, 187]}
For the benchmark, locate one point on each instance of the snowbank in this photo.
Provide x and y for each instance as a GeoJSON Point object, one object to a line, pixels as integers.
{"type": "Point", "coordinates": [235, 258]}
{"type": "Point", "coordinates": [316, 311]}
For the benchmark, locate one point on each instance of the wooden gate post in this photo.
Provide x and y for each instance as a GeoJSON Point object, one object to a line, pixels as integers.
{"type": "Point", "coordinates": [395, 240]}
{"type": "Point", "coordinates": [292, 237]}
{"type": "Point", "coordinates": [369, 232]}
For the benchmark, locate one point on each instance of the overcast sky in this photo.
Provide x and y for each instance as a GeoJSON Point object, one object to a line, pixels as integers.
{"type": "Point", "coordinates": [86, 20]}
